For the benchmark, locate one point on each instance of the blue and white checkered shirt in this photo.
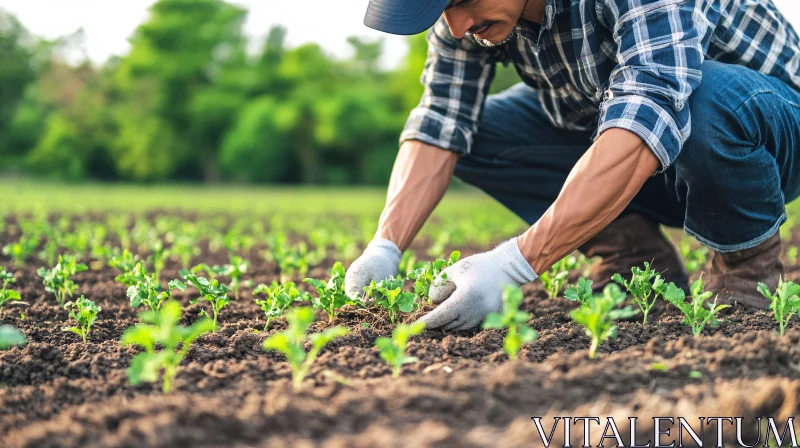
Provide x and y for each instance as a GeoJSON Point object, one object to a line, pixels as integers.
{"type": "Point", "coordinates": [600, 64]}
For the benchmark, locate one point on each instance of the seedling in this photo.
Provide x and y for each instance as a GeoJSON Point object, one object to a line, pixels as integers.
{"type": "Point", "coordinates": [235, 271]}
{"type": "Point", "coordinates": [555, 278]}
{"type": "Point", "coordinates": [144, 289]}
{"type": "Point", "coordinates": [332, 295]}
{"type": "Point", "coordinates": [86, 315]}
{"type": "Point", "coordinates": [695, 313]}
{"type": "Point", "coordinates": [278, 298]}
{"type": "Point", "coordinates": [6, 277]}
{"type": "Point", "coordinates": [425, 276]}
{"type": "Point", "coordinates": [785, 302]}
{"type": "Point", "coordinates": [291, 260]}
{"type": "Point", "coordinates": [125, 262]}
{"type": "Point", "coordinates": [161, 327]}
{"type": "Point", "coordinates": [10, 337]}
{"type": "Point", "coordinates": [581, 292]}
{"type": "Point", "coordinates": [393, 350]}
{"type": "Point", "coordinates": [185, 248]}
{"type": "Point", "coordinates": [599, 314]}
{"type": "Point", "coordinates": [158, 257]}
{"type": "Point", "coordinates": [57, 280]}
{"type": "Point", "coordinates": [8, 295]}
{"type": "Point", "coordinates": [290, 342]}
{"type": "Point", "coordinates": [211, 291]}
{"type": "Point", "coordinates": [211, 271]}
{"type": "Point", "coordinates": [694, 259]}
{"type": "Point", "coordinates": [22, 249]}
{"type": "Point", "coordinates": [643, 284]}
{"type": "Point", "coordinates": [512, 319]}
{"type": "Point", "coordinates": [389, 294]}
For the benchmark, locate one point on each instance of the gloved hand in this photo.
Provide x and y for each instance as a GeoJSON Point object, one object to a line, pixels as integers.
{"type": "Point", "coordinates": [474, 287]}
{"type": "Point", "coordinates": [380, 260]}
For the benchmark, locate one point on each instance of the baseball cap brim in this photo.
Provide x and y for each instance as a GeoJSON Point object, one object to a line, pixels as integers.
{"type": "Point", "coordinates": [404, 17]}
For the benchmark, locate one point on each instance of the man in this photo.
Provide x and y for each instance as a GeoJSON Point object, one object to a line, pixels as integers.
{"type": "Point", "coordinates": [633, 113]}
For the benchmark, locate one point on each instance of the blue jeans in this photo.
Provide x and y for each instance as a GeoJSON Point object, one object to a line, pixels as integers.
{"type": "Point", "coordinates": [727, 188]}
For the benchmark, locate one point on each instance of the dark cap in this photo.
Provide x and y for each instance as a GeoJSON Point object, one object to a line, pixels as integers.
{"type": "Point", "coordinates": [403, 16]}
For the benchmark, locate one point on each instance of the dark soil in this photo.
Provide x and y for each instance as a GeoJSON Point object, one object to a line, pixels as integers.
{"type": "Point", "coordinates": [56, 391]}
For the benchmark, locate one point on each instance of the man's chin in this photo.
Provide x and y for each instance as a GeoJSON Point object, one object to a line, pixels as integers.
{"type": "Point", "coordinates": [490, 44]}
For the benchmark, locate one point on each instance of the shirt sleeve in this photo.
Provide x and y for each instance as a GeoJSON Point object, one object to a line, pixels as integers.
{"type": "Point", "coordinates": [660, 52]}
{"type": "Point", "coordinates": [456, 78]}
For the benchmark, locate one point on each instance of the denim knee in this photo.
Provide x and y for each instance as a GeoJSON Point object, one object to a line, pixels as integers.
{"type": "Point", "coordinates": [722, 129]}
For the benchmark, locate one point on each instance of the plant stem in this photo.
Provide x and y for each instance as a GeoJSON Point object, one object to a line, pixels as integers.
{"type": "Point", "coordinates": [593, 347]}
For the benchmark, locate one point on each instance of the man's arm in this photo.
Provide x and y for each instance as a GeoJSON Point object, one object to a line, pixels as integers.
{"type": "Point", "coordinates": [420, 177]}
{"type": "Point", "coordinates": [457, 77]}
{"type": "Point", "coordinates": [599, 187]}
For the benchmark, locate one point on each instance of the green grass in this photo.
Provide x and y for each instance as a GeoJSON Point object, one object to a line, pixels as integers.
{"type": "Point", "coordinates": [34, 197]}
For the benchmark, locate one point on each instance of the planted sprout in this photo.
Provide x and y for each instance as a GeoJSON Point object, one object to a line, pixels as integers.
{"type": "Point", "coordinates": [695, 313]}
{"type": "Point", "coordinates": [425, 276]}
{"type": "Point", "coordinates": [235, 271]}
{"type": "Point", "coordinates": [125, 262]}
{"type": "Point", "coordinates": [513, 320]}
{"type": "Point", "coordinates": [211, 291]}
{"type": "Point", "coordinates": [643, 285]}
{"type": "Point", "coordinates": [161, 328]}
{"type": "Point", "coordinates": [290, 342]}
{"type": "Point", "coordinates": [694, 259]}
{"type": "Point", "coordinates": [57, 280]}
{"type": "Point", "coordinates": [331, 295]}
{"type": "Point", "coordinates": [158, 257]}
{"type": "Point", "coordinates": [278, 298]}
{"type": "Point", "coordinates": [145, 290]}
{"type": "Point", "coordinates": [580, 292]}
{"type": "Point", "coordinates": [393, 350]}
{"type": "Point", "coordinates": [6, 277]}
{"type": "Point", "coordinates": [10, 337]}
{"type": "Point", "coordinates": [785, 302]}
{"type": "Point", "coordinates": [556, 277]}
{"type": "Point", "coordinates": [390, 296]}
{"type": "Point", "coordinates": [22, 249]}
{"type": "Point", "coordinates": [84, 312]}
{"type": "Point", "coordinates": [599, 314]}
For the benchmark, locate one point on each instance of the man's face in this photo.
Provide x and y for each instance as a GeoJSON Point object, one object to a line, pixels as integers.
{"type": "Point", "coordinates": [491, 22]}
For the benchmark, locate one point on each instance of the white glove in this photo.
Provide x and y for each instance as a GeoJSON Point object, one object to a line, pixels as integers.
{"type": "Point", "coordinates": [380, 260]}
{"type": "Point", "coordinates": [474, 287]}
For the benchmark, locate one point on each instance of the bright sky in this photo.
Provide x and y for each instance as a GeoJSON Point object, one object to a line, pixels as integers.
{"type": "Point", "coordinates": [107, 24]}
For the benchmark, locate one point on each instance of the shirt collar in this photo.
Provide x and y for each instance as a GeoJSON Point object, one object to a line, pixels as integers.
{"type": "Point", "coordinates": [533, 31]}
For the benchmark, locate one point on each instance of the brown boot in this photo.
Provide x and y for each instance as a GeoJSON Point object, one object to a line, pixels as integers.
{"type": "Point", "coordinates": [630, 241]}
{"type": "Point", "coordinates": [735, 275]}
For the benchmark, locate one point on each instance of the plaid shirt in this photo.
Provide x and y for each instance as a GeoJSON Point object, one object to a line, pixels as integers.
{"type": "Point", "coordinates": [600, 64]}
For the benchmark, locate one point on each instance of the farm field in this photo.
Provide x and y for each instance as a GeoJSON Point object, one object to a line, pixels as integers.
{"type": "Point", "coordinates": [462, 390]}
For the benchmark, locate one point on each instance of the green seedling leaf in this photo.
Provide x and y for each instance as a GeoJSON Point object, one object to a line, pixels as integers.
{"type": "Point", "coordinates": [57, 280]}
{"type": "Point", "coordinates": [278, 297]}
{"type": "Point", "coordinates": [513, 320]}
{"type": "Point", "coordinates": [160, 328]}
{"type": "Point", "coordinates": [599, 314]}
{"type": "Point", "coordinates": [392, 350]}
{"type": "Point", "coordinates": [331, 296]}
{"type": "Point", "coordinates": [390, 296]}
{"type": "Point", "coordinates": [84, 312]}
{"type": "Point", "coordinates": [210, 291]}
{"type": "Point", "coordinates": [555, 278]}
{"type": "Point", "coordinates": [784, 303]}
{"type": "Point", "coordinates": [426, 276]}
{"type": "Point", "coordinates": [643, 285]}
{"type": "Point", "coordinates": [290, 342]}
{"type": "Point", "coordinates": [697, 313]}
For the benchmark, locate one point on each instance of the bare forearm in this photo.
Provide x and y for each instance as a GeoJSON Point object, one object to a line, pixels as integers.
{"type": "Point", "coordinates": [598, 189]}
{"type": "Point", "coordinates": [420, 177]}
